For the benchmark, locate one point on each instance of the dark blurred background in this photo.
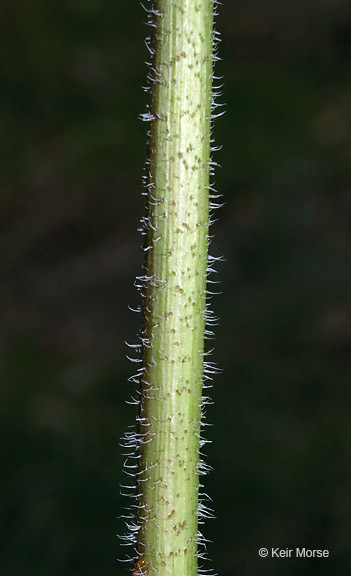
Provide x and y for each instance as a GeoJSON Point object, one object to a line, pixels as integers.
{"type": "Point", "coordinates": [72, 155]}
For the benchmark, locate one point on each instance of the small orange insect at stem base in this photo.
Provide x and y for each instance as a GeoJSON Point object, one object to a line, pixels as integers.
{"type": "Point", "coordinates": [139, 567]}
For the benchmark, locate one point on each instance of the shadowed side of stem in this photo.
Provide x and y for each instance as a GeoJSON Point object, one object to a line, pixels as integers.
{"type": "Point", "coordinates": [176, 247]}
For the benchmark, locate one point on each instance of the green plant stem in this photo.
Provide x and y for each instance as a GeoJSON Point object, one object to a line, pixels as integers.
{"type": "Point", "coordinates": [175, 287]}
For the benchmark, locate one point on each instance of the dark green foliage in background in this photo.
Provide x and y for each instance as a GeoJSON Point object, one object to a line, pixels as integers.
{"type": "Point", "coordinates": [71, 162]}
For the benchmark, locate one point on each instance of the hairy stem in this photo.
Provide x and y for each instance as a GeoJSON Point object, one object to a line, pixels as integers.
{"type": "Point", "coordinates": [176, 229]}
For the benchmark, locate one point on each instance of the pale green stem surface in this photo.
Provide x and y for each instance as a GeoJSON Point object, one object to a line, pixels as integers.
{"type": "Point", "coordinates": [175, 287]}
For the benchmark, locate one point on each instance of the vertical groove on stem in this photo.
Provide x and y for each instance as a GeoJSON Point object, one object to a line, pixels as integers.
{"type": "Point", "coordinates": [174, 287]}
